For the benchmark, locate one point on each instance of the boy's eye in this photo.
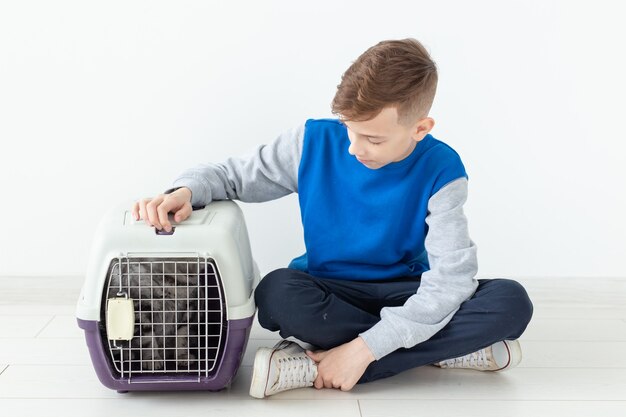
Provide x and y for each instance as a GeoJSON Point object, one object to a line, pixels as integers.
{"type": "Point", "coordinates": [373, 143]}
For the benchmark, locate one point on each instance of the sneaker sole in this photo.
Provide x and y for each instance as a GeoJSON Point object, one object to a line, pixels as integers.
{"type": "Point", "coordinates": [260, 372]}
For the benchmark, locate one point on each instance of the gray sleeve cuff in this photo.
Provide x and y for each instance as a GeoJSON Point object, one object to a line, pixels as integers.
{"type": "Point", "coordinates": [381, 339]}
{"type": "Point", "coordinates": [199, 193]}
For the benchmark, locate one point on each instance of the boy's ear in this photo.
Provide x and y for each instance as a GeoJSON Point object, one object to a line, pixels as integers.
{"type": "Point", "coordinates": [423, 127]}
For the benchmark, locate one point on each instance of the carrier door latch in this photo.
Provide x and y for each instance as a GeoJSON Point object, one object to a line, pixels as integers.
{"type": "Point", "coordinates": [120, 318]}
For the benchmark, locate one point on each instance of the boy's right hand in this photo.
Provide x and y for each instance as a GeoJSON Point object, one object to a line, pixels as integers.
{"type": "Point", "coordinates": [154, 210]}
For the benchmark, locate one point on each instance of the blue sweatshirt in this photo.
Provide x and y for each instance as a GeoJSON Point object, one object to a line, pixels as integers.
{"type": "Point", "coordinates": [403, 219]}
{"type": "Point", "coordinates": [359, 223]}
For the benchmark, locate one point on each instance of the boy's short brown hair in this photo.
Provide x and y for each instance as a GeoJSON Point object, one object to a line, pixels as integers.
{"type": "Point", "coordinates": [396, 73]}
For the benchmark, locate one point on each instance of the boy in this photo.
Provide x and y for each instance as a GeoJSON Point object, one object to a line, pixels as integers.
{"type": "Point", "coordinates": [387, 281]}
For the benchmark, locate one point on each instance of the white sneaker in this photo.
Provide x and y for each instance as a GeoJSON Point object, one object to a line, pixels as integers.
{"type": "Point", "coordinates": [283, 367]}
{"type": "Point", "coordinates": [497, 357]}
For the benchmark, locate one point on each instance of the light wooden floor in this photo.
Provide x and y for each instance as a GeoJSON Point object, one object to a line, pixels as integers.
{"type": "Point", "coordinates": [574, 364]}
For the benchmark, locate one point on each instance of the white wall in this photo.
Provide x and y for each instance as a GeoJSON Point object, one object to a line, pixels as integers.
{"type": "Point", "coordinates": [106, 101]}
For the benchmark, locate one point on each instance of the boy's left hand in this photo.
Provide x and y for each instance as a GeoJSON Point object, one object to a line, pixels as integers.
{"type": "Point", "coordinates": [341, 367]}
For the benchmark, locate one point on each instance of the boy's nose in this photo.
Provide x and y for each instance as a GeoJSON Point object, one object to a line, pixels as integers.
{"type": "Point", "coordinates": [355, 150]}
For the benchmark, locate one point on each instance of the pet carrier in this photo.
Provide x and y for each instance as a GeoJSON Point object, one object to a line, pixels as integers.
{"type": "Point", "coordinates": [169, 311]}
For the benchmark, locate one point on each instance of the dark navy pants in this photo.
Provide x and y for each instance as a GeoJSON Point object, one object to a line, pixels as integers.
{"type": "Point", "coordinates": [330, 312]}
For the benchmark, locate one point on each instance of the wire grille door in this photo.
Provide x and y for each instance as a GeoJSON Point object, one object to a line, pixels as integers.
{"type": "Point", "coordinates": [179, 317]}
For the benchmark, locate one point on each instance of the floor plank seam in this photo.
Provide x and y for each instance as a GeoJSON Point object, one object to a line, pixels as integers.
{"type": "Point", "coordinates": [44, 327]}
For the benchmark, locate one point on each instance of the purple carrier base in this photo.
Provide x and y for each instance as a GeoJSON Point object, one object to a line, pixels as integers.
{"type": "Point", "coordinates": [236, 341]}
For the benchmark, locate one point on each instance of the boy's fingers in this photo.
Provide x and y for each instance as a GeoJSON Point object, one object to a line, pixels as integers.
{"type": "Point", "coordinates": [346, 387]}
{"type": "Point", "coordinates": [183, 213]}
{"type": "Point", "coordinates": [151, 208]}
{"type": "Point", "coordinates": [155, 211]}
{"type": "Point", "coordinates": [162, 211]}
{"type": "Point", "coordinates": [135, 210]}
{"type": "Point", "coordinates": [143, 213]}
{"type": "Point", "coordinates": [317, 356]}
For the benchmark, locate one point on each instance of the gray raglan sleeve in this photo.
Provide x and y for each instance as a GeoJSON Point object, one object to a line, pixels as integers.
{"type": "Point", "coordinates": [268, 172]}
{"type": "Point", "coordinates": [449, 282]}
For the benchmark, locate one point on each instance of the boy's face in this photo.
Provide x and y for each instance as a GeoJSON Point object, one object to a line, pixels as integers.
{"type": "Point", "coordinates": [381, 140]}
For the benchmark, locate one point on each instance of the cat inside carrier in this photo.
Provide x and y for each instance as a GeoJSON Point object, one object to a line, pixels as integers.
{"type": "Point", "coordinates": [169, 310]}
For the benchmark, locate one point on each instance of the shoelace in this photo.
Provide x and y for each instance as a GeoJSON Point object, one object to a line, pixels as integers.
{"type": "Point", "coordinates": [295, 372]}
{"type": "Point", "coordinates": [478, 358]}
